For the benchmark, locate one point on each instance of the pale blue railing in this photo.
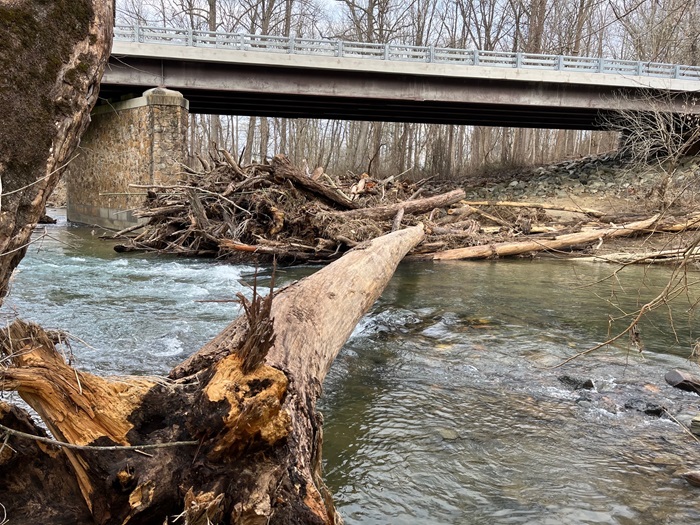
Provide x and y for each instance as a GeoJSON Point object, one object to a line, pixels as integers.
{"type": "Point", "coordinates": [399, 52]}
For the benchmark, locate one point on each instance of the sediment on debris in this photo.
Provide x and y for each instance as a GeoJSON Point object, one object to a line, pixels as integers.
{"type": "Point", "coordinates": [296, 216]}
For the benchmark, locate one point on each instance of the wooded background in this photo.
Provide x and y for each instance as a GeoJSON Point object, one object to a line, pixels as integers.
{"type": "Point", "coordinates": [653, 30]}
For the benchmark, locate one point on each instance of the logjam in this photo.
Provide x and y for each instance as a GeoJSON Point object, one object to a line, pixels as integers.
{"type": "Point", "coordinates": [232, 436]}
{"type": "Point", "coordinates": [273, 210]}
{"type": "Point", "coordinates": [277, 210]}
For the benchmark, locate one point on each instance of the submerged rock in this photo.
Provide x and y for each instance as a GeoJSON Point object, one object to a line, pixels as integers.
{"type": "Point", "coordinates": [650, 409]}
{"type": "Point", "coordinates": [576, 383]}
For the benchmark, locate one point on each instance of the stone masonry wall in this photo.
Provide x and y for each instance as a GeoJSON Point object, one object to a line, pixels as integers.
{"type": "Point", "coordinates": [139, 141]}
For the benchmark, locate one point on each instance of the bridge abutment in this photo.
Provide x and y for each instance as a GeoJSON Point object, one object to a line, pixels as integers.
{"type": "Point", "coordinates": [138, 141]}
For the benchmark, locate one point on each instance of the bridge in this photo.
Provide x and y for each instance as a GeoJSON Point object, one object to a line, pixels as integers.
{"type": "Point", "coordinates": [138, 135]}
{"type": "Point", "coordinates": [244, 74]}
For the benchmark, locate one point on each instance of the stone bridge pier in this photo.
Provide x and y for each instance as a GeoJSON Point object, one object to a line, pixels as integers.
{"type": "Point", "coordinates": [142, 140]}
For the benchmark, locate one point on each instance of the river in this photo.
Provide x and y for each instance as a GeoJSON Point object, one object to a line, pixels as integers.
{"type": "Point", "coordinates": [444, 406]}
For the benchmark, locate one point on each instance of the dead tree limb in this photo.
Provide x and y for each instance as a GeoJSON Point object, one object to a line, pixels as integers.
{"type": "Point", "coordinates": [537, 206]}
{"type": "Point", "coordinates": [284, 169]}
{"type": "Point", "coordinates": [410, 207]}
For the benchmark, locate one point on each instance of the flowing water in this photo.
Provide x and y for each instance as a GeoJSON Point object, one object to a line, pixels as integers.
{"type": "Point", "coordinates": [444, 406]}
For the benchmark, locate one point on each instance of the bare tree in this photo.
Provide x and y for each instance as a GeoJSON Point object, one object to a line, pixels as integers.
{"type": "Point", "coordinates": [662, 135]}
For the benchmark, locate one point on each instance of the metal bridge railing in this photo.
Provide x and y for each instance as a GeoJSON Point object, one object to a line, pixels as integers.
{"type": "Point", "coordinates": [400, 52]}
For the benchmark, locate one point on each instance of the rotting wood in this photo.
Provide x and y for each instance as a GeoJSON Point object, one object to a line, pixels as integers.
{"type": "Point", "coordinates": [258, 433]}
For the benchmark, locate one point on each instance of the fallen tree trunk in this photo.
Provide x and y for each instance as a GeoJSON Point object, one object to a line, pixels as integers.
{"type": "Point", "coordinates": [659, 257]}
{"type": "Point", "coordinates": [379, 213]}
{"type": "Point", "coordinates": [506, 249]}
{"type": "Point", "coordinates": [232, 436]}
{"type": "Point", "coordinates": [537, 206]}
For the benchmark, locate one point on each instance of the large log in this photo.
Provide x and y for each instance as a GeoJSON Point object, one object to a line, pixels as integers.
{"type": "Point", "coordinates": [506, 249]}
{"type": "Point", "coordinates": [537, 206]}
{"type": "Point", "coordinates": [232, 436]}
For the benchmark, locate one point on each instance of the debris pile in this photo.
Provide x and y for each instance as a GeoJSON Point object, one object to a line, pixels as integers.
{"type": "Point", "coordinates": [279, 210]}
{"type": "Point", "coordinates": [275, 209]}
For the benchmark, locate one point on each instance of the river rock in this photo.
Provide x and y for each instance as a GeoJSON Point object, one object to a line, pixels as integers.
{"type": "Point", "coordinates": [692, 477]}
{"type": "Point", "coordinates": [448, 434]}
{"type": "Point", "coordinates": [576, 383]}
{"type": "Point", "coordinates": [695, 425]}
{"type": "Point", "coordinates": [650, 409]}
{"type": "Point", "coordinates": [683, 381]}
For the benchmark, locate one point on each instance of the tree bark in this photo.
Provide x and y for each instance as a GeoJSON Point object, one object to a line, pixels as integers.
{"type": "Point", "coordinates": [236, 433]}
{"type": "Point", "coordinates": [52, 55]}
{"type": "Point", "coordinates": [506, 249]}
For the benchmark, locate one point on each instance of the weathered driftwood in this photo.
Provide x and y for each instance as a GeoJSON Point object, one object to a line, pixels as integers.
{"type": "Point", "coordinates": [690, 223]}
{"type": "Point", "coordinates": [234, 433]}
{"type": "Point", "coordinates": [410, 207]}
{"type": "Point", "coordinates": [535, 245]}
{"type": "Point", "coordinates": [538, 206]}
{"type": "Point", "coordinates": [283, 169]}
{"type": "Point", "coordinates": [283, 253]}
{"type": "Point", "coordinates": [659, 257]}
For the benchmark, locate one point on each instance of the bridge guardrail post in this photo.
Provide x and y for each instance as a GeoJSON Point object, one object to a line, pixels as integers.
{"type": "Point", "coordinates": [137, 34]}
{"type": "Point", "coordinates": [431, 54]}
{"type": "Point", "coordinates": [560, 63]}
{"type": "Point", "coordinates": [677, 71]}
{"type": "Point", "coordinates": [640, 68]}
{"type": "Point", "coordinates": [339, 49]}
{"type": "Point", "coordinates": [190, 37]}
{"type": "Point", "coordinates": [386, 51]}
{"type": "Point", "coordinates": [601, 65]}
{"type": "Point", "coordinates": [291, 47]}
{"type": "Point", "coordinates": [476, 57]}
{"type": "Point", "coordinates": [518, 60]}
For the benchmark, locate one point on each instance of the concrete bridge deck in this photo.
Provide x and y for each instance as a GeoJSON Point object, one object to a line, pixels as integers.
{"type": "Point", "coordinates": [273, 76]}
